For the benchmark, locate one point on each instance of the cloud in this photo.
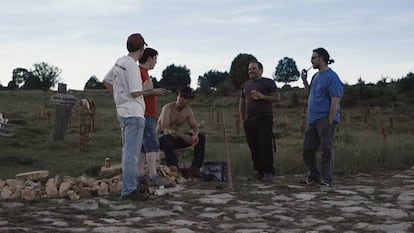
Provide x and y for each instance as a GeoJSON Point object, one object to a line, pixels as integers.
{"type": "Point", "coordinates": [84, 38]}
{"type": "Point", "coordinates": [88, 7]}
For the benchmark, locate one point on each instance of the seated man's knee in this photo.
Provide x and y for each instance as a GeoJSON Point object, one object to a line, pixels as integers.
{"type": "Point", "coordinates": [166, 141]}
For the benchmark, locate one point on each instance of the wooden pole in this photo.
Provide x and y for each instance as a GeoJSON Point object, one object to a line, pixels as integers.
{"type": "Point", "coordinates": [229, 178]}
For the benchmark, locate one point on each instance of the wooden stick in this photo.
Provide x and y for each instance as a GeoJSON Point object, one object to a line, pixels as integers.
{"type": "Point", "coordinates": [229, 178]}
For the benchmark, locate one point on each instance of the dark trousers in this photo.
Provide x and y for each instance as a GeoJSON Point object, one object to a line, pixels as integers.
{"type": "Point", "coordinates": [259, 138]}
{"type": "Point", "coordinates": [319, 133]}
{"type": "Point", "coordinates": [168, 144]}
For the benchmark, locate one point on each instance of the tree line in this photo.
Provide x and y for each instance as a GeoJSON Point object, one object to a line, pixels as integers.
{"type": "Point", "coordinates": [175, 76]}
{"type": "Point", "coordinates": [43, 76]}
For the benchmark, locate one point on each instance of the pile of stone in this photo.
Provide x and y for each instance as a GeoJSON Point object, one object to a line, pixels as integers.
{"type": "Point", "coordinates": [39, 184]}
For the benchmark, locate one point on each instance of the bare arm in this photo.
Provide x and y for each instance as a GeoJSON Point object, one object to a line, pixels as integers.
{"type": "Point", "coordinates": [164, 120]}
{"type": "Point", "coordinates": [190, 139]}
{"type": "Point", "coordinates": [146, 87]}
{"type": "Point", "coordinates": [157, 92]}
{"type": "Point", "coordinates": [333, 108]}
{"type": "Point", "coordinates": [166, 126]}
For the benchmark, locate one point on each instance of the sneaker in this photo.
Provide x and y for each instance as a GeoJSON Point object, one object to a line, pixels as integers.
{"type": "Point", "coordinates": [268, 177]}
{"type": "Point", "coordinates": [308, 181]}
{"type": "Point", "coordinates": [324, 183]}
{"type": "Point", "coordinates": [136, 196]}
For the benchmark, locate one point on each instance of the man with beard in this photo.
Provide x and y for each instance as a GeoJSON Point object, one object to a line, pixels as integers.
{"type": "Point", "coordinates": [325, 92]}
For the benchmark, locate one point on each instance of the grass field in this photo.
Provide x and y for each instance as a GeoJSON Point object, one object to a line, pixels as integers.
{"type": "Point", "coordinates": [369, 139]}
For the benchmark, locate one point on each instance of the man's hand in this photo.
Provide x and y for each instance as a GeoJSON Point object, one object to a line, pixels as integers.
{"type": "Point", "coordinates": [304, 75]}
{"type": "Point", "coordinates": [256, 94]}
{"type": "Point", "coordinates": [195, 139]}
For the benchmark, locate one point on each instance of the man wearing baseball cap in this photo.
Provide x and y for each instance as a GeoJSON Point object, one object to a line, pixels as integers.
{"type": "Point", "coordinates": [124, 80]}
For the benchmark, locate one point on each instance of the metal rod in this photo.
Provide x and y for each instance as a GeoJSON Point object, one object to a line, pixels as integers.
{"type": "Point", "coordinates": [229, 178]}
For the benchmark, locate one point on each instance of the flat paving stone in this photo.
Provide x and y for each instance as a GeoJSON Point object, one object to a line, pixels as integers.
{"type": "Point", "coordinates": [380, 203]}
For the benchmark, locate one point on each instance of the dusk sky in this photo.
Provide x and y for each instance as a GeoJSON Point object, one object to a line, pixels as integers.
{"type": "Point", "coordinates": [368, 39]}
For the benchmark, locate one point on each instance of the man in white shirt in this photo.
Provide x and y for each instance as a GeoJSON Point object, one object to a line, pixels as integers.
{"type": "Point", "coordinates": [124, 80]}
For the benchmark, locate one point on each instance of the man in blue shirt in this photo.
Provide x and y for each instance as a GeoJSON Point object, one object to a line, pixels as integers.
{"type": "Point", "coordinates": [325, 92]}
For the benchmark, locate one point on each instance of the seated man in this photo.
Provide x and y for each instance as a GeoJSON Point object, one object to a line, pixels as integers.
{"type": "Point", "coordinates": [173, 116]}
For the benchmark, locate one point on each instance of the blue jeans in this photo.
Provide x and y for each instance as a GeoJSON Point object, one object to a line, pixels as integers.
{"type": "Point", "coordinates": [132, 131]}
{"type": "Point", "coordinates": [150, 142]}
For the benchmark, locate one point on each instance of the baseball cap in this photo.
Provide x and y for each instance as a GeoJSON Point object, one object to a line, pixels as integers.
{"type": "Point", "coordinates": [135, 41]}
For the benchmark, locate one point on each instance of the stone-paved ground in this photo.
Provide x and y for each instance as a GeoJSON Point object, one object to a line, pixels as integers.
{"type": "Point", "coordinates": [358, 203]}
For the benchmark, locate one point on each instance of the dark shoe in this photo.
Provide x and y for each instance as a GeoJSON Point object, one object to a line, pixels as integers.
{"type": "Point", "coordinates": [143, 184]}
{"type": "Point", "coordinates": [324, 183]}
{"type": "Point", "coordinates": [143, 180]}
{"type": "Point", "coordinates": [268, 177]}
{"type": "Point", "coordinates": [308, 181]}
{"type": "Point", "coordinates": [136, 196]}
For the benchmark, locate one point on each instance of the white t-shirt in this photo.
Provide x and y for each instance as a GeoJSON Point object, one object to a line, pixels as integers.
{"type": "Point", "coordinates": [125, 78]}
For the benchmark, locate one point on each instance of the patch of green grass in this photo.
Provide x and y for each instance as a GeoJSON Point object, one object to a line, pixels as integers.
{"type": "Point", "coordinates": [359, 145]}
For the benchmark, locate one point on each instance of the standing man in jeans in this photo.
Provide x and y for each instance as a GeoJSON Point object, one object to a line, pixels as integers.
{"type": "Point", "coordinates": [124, 80]}
{"type": "Point", "coordinates": [150, 146]}
{"type": "Point", "coordinates": [256, 113]}
{"type": "Point", "coordinates": [325, 92]}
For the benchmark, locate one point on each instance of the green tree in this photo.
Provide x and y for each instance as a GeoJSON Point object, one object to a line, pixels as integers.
{"type": "Point", "coordinates": [238, 69]}
{"type": "Point", "coordinates": [32, 83]}
{"type": "Point", "coordinates": [12, 85]}
{"type": "Point", "coordinates": [286, 71]}
{"type": "Point", "coordinates": [93, 83]}
{"type": "Point", "coordinates": [47, 74]}
{"type": "Point", "coordinates": [204, 85]}
{"type": "Point", "coordinates": [175, 77]}
{"type": "Point", "coordinates": [406, 84]}
{"type": "Point", "coordinates": [209, 81]}
{"type": "Point", "coordinates": [225, 88]}
{"type": "Point", "coordinates": [362, 88]}
{"type": "Point", "coordinates": [20, 75]}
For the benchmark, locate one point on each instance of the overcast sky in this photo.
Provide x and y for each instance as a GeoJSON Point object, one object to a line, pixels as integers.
{"type": "Point", "coordinates": [371, 39]}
